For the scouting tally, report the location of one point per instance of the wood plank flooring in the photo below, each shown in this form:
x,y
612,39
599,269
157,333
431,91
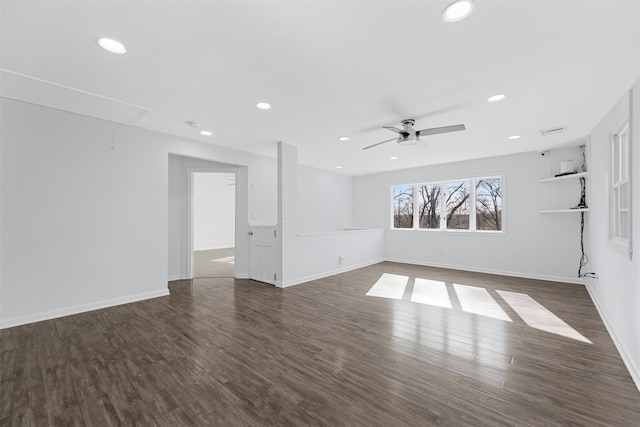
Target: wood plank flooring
x,y
239,353
214,263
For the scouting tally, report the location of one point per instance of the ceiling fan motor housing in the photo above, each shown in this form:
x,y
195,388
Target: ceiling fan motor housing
x,y
408,124
408,137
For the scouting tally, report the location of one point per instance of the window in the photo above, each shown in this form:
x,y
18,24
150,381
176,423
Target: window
x,y
403,206
489,204
457,197
429,209
470,204
619,191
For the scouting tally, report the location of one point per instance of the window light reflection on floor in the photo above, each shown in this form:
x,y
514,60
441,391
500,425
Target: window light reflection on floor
x,y
226,260
389,286
477,300
538,316
430,292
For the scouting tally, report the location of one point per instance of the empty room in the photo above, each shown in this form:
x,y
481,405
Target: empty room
x,y
320,212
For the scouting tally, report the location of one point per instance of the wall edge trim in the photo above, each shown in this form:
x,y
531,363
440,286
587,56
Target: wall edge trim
x,y
77,309
571,280
305,279
634,371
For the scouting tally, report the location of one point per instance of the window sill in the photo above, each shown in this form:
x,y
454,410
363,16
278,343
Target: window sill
x,y
450,232
622,248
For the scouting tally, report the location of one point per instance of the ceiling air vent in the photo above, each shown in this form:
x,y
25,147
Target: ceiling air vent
x,y
552,131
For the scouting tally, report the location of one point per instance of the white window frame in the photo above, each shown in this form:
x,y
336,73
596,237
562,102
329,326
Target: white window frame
x,y
619,176
443,208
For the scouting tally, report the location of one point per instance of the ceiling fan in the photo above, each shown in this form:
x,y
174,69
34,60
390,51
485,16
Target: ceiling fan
x,y
409,136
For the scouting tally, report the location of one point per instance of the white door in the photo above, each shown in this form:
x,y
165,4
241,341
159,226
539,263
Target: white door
x,y
262,240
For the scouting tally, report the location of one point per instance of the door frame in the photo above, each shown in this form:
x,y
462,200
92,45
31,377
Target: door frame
x,y
190,222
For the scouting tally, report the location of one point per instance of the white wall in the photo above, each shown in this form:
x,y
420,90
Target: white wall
x,y
329,253
617,291
325,200
533,245
86,226
214,215
83,225
287,254
314,207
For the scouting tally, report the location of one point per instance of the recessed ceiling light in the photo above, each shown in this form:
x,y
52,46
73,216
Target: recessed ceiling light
x,y
111,45
338,167
458,10
344,138
206,132
514,137
496,98
263,106
393,158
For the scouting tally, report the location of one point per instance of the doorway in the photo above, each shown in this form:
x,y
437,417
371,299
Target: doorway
x,y
213,224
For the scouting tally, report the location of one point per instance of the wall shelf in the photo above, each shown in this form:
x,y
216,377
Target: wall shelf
x,y
547,211
559,178
557,194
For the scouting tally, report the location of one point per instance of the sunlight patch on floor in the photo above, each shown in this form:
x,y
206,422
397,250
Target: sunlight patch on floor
x,y
389,286
226,260
538,316
430,292
476,300
471,299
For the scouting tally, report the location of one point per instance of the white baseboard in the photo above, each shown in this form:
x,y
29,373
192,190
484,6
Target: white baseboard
x,y
573,280
634,371
293,282
67,311
178,277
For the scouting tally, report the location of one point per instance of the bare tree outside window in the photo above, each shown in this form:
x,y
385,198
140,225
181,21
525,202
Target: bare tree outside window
x,y
429,209
457,203
471,204
489,204
403,206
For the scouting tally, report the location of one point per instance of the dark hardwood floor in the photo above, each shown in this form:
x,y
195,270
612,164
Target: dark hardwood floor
x,y
236,352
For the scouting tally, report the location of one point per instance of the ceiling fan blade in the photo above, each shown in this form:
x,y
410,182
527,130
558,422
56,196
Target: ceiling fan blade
x,y
443,129
371,146
394,129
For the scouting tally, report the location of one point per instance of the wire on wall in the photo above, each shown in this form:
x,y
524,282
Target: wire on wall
x,y
584,259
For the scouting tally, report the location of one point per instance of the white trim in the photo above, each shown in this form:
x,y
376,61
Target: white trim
x,y
621,246
353,230
178,277
77,309
293,282
28,77
634,371
453,232
572,280
559,279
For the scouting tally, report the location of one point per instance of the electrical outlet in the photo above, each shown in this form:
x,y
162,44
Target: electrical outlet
x,y
340,259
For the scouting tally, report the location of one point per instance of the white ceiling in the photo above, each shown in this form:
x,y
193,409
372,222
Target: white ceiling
x,y
334,68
